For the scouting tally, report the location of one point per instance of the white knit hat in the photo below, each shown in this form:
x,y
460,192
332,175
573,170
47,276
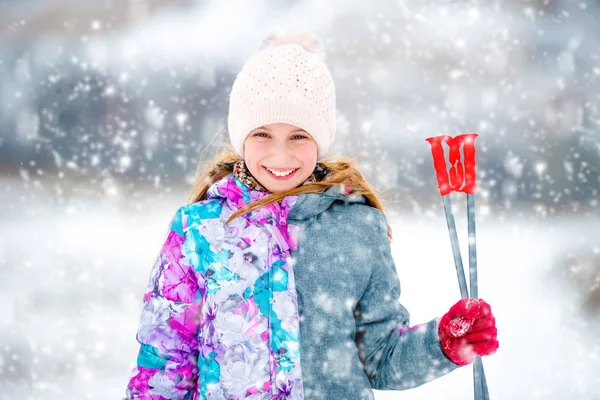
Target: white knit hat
x,y
286,81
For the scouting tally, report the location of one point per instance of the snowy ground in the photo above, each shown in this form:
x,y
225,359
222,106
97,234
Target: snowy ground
x,y
72,276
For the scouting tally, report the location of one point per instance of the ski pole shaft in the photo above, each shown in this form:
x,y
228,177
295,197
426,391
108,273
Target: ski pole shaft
x,y
481,389
460,272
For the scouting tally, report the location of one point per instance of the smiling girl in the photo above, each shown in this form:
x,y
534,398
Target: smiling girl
x,y
281,156
276,281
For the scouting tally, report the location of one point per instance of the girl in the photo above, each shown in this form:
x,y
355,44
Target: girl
x,y
276,281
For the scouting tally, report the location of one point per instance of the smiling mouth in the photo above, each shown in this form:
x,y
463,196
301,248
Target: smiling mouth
x,y
281,174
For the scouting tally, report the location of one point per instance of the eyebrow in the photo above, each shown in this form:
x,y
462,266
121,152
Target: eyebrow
x,y
267,129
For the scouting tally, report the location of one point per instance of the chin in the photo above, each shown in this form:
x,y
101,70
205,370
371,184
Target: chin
x,y
280,188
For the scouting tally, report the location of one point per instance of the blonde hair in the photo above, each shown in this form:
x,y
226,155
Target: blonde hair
x,y
344,173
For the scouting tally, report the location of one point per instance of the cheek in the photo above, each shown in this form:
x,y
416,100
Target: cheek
x,y
255,147
308,154
253,151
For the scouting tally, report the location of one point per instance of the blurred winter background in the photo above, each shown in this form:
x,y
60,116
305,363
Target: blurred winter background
x,y
107,106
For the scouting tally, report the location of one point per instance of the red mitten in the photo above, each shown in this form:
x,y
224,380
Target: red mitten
x,y
467,330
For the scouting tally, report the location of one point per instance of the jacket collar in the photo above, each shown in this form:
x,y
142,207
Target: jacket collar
x,y
310,204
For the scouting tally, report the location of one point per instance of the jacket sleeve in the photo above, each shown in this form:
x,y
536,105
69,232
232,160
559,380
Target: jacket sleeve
x,y
167,365
394,355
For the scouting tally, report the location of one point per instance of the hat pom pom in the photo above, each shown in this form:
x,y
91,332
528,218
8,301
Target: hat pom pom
x,y
307,40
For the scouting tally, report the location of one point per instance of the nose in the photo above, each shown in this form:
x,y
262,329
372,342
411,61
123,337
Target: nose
x,y
282,152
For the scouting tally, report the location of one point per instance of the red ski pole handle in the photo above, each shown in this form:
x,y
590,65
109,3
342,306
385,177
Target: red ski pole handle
x,y
460,177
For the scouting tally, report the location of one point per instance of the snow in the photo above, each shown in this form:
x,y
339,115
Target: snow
x,y
71,283
106,107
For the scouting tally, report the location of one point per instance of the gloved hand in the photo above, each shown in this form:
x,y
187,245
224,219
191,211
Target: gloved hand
x,y
467,330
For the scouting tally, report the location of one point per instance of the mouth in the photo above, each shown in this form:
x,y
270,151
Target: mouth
x,y
281,175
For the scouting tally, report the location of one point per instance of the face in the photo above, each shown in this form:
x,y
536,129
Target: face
x,y
280,156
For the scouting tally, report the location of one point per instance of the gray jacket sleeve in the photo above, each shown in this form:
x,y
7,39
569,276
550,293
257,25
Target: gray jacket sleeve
x,y
394,355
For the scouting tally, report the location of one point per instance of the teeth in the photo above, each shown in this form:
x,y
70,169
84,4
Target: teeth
x,y
281,173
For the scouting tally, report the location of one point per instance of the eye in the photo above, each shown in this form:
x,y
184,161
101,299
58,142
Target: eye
x,y
260,133
300,136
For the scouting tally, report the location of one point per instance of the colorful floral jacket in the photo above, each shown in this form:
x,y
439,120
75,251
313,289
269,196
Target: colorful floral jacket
x,y
296,300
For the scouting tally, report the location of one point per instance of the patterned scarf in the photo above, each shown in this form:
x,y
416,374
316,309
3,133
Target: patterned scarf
x,y
240,170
